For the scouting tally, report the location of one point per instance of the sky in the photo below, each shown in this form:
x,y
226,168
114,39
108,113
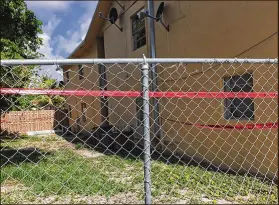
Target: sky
x,y
65,25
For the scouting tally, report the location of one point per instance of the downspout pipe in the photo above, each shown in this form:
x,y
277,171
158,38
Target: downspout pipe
x,y
154,74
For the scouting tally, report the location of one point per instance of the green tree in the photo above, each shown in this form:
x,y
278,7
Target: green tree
x,y
27,102
19,31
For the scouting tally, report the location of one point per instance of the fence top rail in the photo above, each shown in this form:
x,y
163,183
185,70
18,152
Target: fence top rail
x,y
135,60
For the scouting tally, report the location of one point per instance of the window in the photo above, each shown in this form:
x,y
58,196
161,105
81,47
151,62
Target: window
x,y
67,76
83,109
80,72
239,108
139,111
138,30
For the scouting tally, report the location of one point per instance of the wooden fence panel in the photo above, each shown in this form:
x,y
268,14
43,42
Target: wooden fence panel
x,y
27,121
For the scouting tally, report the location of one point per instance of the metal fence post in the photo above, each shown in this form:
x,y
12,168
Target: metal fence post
x,y
146,132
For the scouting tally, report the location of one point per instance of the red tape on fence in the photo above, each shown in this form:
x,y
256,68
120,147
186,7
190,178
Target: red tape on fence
x,y
241,127
98,93
238,127
25,91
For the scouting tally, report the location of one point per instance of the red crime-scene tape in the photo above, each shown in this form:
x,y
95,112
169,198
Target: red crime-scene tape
x,y
26,91
238,127
241,127
98,93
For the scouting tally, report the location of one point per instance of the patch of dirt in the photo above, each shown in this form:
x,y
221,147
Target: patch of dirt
x,y
125,175
233,200
129,168
188,196
245,198
185,192
223,201
120,176
206,200
217,201
122,179
8,186
127,198
55,143
46,144
11,186
183,197
62,144
168,199
182,202
88,154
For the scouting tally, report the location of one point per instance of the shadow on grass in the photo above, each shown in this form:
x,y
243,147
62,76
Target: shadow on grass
x,y
7,136
122,144
12,156
9,155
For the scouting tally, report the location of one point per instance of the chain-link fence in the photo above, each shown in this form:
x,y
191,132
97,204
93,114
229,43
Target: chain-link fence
x,y
140,130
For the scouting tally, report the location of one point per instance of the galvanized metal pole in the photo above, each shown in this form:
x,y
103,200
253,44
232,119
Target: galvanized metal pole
x,y
136,60
146,133
152,51
154,73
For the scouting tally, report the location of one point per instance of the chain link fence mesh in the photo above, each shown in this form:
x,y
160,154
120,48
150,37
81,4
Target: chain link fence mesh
x,y
213,133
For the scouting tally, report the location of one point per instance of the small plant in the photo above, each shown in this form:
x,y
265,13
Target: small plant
x,y
78,146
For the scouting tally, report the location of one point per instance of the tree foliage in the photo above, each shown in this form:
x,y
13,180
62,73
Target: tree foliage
x,y
28,102
20,39
20,31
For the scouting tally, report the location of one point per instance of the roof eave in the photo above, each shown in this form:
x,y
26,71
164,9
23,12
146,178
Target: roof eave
x,y
91,25
77,48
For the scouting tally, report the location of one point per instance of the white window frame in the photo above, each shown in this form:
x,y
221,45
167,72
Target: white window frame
x,y
134,33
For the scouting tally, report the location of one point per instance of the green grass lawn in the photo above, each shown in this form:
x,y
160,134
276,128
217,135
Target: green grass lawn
x,y
62,173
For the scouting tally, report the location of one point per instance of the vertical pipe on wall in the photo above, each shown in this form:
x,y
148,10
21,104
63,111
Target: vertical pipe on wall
x,y
102,82
154,74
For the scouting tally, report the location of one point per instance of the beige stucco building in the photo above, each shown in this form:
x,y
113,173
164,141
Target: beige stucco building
x,y
198,29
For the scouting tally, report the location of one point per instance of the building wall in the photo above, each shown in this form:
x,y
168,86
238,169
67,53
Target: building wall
x,y
220,29
89,82
123,77
205,29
